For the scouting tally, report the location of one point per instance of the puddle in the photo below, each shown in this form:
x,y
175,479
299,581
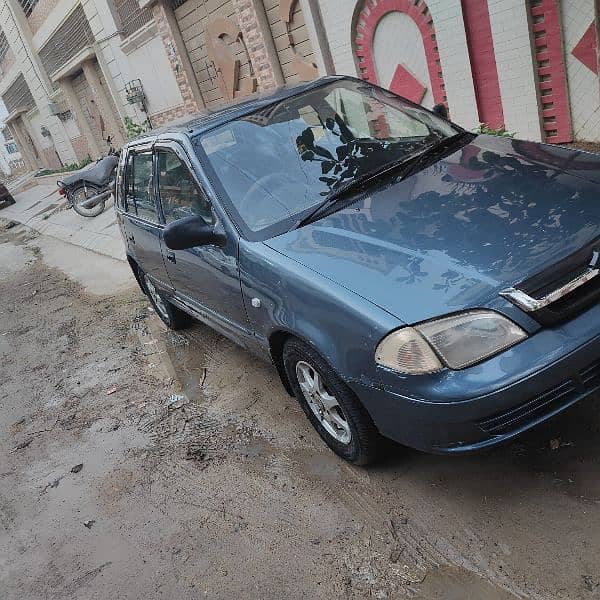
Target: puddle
x,y
454,583
4,345
179,358
325,466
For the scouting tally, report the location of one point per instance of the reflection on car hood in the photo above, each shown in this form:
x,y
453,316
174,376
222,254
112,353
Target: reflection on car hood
x,y
453,235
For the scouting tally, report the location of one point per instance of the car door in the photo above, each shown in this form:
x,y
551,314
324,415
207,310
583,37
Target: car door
x,y
142,226
204,278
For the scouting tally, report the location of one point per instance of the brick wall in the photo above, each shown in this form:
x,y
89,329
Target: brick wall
x,y
255,43
189,105
162,118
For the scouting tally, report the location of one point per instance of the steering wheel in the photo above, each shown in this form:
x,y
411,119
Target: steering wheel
x,y
262,195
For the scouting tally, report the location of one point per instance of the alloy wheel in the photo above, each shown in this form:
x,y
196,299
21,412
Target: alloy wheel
x,y
324,406
159,303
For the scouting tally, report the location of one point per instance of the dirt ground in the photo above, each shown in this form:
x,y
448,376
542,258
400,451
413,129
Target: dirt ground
x,y
137,463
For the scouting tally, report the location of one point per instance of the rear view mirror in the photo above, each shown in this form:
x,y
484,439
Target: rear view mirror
x,y
440,110
190,232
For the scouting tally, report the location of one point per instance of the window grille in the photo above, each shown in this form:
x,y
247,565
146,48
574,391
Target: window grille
x,y
65,116
4,47
70,38
177,3
131,16
18,95
28,6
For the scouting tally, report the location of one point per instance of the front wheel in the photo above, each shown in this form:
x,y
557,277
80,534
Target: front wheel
x,y
83,192
332,408
170,315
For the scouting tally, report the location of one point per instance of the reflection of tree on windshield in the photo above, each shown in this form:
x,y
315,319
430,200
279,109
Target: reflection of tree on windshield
x,y
353,156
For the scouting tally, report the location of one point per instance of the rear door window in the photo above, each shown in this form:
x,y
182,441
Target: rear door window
x,y
179,194
140,196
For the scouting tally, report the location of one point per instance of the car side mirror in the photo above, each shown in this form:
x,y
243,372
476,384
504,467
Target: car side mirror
x,y
190,232
440,110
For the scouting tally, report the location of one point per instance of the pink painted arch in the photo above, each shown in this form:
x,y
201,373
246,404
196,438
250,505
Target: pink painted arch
x,y
371,12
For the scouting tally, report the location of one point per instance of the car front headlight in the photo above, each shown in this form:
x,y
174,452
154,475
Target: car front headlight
x,y
457,342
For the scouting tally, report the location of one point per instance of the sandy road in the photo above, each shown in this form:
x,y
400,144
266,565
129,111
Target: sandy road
x,y
202,479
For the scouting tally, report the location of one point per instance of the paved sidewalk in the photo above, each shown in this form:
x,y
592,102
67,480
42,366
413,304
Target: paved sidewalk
x,y
44,210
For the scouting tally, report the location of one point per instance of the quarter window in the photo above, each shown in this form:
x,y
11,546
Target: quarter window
x,y
179,194
139,186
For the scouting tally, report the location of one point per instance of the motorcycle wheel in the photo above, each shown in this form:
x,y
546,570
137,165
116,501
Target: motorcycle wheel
x,y
80,194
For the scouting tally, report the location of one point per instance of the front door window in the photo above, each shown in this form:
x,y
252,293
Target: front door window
x,y
140,199
179,194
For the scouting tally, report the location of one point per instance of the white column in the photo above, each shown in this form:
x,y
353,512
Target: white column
x,y
456,65
516,67
318,36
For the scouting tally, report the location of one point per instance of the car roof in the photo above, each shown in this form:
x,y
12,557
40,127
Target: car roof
x,y
205,120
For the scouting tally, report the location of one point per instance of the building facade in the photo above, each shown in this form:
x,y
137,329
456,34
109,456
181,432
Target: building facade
x,y
76,73
528,65
11,162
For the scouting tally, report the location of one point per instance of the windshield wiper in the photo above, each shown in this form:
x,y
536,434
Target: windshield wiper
x,y
340,191
409,166
435,151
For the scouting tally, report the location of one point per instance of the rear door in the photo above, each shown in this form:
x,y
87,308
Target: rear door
x,y
142,226
205,278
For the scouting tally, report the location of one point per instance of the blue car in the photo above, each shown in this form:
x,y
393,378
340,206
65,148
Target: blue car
x,y
407,278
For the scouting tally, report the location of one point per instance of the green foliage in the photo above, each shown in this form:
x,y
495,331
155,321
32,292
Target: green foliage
x,y
501,131
134,129
84,162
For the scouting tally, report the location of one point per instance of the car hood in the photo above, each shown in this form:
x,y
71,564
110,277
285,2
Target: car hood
x,y
453,235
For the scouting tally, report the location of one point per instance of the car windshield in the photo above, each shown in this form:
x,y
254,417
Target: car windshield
x,y
276,164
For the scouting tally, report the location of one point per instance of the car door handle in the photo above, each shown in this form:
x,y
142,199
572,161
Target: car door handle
x,y
171,257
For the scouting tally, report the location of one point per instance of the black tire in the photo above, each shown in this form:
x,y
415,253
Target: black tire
x,y
365,444
83,192
170,315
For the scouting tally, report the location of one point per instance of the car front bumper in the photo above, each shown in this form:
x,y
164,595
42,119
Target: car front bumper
x,y
468,410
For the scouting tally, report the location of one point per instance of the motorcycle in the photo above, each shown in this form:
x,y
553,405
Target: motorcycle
x,y
88,191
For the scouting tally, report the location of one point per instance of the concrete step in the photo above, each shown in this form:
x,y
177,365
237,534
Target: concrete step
x,y
44,210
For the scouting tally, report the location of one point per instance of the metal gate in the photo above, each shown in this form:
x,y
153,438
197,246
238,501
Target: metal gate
x,y
100,127
83,91
113,107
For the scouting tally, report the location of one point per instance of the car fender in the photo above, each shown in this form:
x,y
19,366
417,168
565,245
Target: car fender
x,y
286,298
